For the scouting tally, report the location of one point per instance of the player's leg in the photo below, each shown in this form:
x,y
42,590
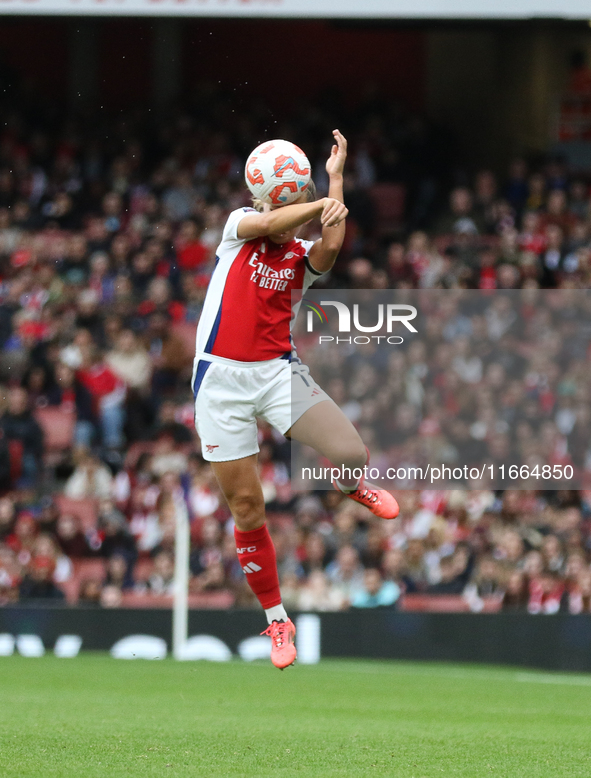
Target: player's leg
x,y
296,406
241,486
326,429
224,418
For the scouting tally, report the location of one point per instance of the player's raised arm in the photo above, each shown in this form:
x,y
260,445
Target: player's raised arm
x,y
324,252
288,217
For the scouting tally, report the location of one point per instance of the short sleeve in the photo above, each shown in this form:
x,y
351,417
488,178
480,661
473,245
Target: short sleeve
x,y
231,228
307,244
311,274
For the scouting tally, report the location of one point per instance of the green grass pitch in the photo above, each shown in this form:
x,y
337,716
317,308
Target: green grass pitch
x,y
94,716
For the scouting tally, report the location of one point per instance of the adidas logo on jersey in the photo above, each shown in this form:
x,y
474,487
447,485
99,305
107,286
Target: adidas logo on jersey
x,y
252,567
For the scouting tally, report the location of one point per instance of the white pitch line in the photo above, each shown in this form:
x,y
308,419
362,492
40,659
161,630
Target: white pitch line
x,y
430,672
473,673
566,680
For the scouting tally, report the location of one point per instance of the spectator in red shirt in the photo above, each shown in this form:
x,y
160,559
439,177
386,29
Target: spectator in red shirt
x,y
191,253
108,393
532,237
545,593
22,540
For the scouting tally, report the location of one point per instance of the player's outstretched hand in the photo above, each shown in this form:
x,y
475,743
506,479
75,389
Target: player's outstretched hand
x,y
333,213
338,155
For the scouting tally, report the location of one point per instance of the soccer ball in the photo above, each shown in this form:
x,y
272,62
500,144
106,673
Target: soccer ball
x,y
277,172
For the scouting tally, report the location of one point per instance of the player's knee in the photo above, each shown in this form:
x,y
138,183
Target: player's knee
x,y
353,454
248,510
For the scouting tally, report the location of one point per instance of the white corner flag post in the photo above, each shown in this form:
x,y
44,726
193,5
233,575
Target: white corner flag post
x,y
180,612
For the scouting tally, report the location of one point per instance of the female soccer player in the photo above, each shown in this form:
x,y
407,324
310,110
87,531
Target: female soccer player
x,y
243,370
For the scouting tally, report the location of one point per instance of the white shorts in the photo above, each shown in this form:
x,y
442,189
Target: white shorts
x,y
230,396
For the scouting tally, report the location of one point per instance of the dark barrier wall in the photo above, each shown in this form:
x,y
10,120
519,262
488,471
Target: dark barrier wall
x,y
560,642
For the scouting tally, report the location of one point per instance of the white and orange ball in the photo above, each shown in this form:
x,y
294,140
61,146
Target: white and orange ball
x,y
277,172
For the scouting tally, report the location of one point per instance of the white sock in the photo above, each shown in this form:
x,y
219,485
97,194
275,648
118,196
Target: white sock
x,y
276,613
347,489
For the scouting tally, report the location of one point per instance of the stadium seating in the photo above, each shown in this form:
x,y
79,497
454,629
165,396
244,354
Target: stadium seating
x,y
443,603
58,429
85,510
114,260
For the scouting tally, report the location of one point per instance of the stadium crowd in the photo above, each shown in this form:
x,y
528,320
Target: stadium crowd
x,y
108,231
493,386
